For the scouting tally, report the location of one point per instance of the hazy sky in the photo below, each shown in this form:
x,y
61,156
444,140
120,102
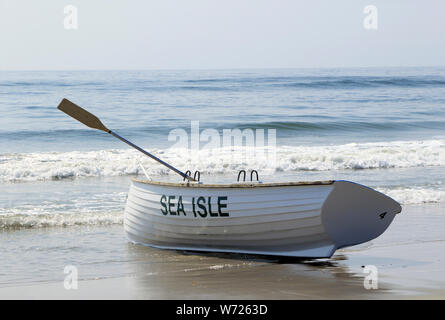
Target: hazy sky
x,y
209,34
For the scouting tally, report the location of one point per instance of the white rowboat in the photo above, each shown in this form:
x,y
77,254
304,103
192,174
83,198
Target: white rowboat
x,y
298,219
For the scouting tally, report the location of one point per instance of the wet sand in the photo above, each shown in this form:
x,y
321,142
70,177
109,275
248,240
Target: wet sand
x,y
410,260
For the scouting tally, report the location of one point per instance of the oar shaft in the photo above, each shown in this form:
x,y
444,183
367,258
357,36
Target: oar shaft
x,y
90,120
151,156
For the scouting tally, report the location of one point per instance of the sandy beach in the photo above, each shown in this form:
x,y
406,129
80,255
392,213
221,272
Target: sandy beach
x,y
290,94
409,258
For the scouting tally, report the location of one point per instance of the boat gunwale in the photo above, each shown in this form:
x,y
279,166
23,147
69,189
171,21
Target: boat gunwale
x,y
189,184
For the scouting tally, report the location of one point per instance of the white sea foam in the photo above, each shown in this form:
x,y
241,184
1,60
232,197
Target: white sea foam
x,y
86,209
414,195
42,220
58,165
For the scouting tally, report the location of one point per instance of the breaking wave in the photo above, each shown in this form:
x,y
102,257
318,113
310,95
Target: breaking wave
x,y
86,209
414,195
22,167
46,220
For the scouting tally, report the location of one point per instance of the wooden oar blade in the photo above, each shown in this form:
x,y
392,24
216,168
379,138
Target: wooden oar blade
x,y
81,115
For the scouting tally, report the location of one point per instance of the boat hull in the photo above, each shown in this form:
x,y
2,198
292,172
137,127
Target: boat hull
x,y
296,219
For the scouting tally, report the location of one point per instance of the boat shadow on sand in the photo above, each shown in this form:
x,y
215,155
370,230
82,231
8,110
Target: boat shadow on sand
x,y
332,262
175,274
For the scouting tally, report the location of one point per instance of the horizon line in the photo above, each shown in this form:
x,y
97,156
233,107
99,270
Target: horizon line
x,y
222,69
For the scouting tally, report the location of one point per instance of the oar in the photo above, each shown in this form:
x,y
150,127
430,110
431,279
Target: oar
x,y
92,121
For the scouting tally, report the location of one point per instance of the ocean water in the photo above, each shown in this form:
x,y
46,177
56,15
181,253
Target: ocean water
x,y
63,186
381,127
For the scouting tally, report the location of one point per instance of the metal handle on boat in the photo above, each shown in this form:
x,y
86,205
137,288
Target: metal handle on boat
x,y
197,173
251,175
188,172
239,174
